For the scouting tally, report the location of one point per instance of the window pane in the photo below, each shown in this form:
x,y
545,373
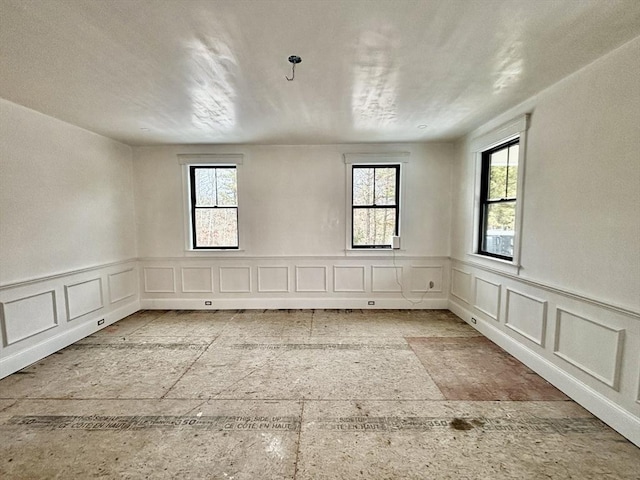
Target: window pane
x,y
205,184
216,227
512,179
227,187
500,228
385,191
373,226
363,186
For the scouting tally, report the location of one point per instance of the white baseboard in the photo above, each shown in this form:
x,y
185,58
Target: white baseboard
x,y
616,417
288,303
26,357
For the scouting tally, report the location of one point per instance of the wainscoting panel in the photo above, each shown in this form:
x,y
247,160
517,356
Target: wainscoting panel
x,y
426,279
594,348
348,279
28,316
84,297
527,316
273,279
122,285
486,298
40,316
159,280
197,279
311,279
584,346
386,279
235,279
460,284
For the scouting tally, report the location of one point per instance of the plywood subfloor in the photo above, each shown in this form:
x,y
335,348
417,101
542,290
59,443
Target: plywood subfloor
x,y
297,394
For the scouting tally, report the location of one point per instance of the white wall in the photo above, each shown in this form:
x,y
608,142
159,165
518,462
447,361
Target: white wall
x,y
573,311
67,234
66,197
581,222
292,205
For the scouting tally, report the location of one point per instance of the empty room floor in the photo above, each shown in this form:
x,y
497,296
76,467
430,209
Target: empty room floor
x,y
297,394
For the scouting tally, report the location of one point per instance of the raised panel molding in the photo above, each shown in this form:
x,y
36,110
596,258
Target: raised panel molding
x,y
460,284
159,280
348,278
311,279
594,348
486,297
122,285
235,279
28,316
273,279
526,315
422,276
83,297
197,279
386,279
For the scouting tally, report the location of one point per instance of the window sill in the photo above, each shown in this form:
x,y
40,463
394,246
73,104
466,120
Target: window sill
x,y
371,252
505,266
217,252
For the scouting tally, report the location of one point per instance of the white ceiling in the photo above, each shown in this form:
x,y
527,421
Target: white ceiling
x,y
187,71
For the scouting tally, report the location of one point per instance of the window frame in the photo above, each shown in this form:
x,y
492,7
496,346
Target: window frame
x,y
395,206
186,160
374,159
193,208
487,138
485,201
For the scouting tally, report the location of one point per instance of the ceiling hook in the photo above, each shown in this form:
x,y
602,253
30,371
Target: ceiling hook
x,y
293,60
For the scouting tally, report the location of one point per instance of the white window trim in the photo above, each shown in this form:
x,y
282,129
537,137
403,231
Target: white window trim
x,y
215,160
389,158
517,128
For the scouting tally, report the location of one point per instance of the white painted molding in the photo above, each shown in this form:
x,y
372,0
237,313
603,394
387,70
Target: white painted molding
x,y
68,273
264,289
553,289
429,267
336,268
495,317
210,158
326,278
602,407
23,358
614,380
289,303
168,290
452,289
379,157
7,334
543,320
111,276
221,271
398,278
182,280
68,296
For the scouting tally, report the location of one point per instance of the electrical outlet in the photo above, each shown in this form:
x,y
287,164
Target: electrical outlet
x,y
207,303
100,322
371,302
473,320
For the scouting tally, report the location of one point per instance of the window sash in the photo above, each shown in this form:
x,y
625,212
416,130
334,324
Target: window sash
x,y
195,208
372,206
485,201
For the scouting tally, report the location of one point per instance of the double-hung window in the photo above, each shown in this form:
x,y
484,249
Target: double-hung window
x,y
498,200
213,206
375,205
